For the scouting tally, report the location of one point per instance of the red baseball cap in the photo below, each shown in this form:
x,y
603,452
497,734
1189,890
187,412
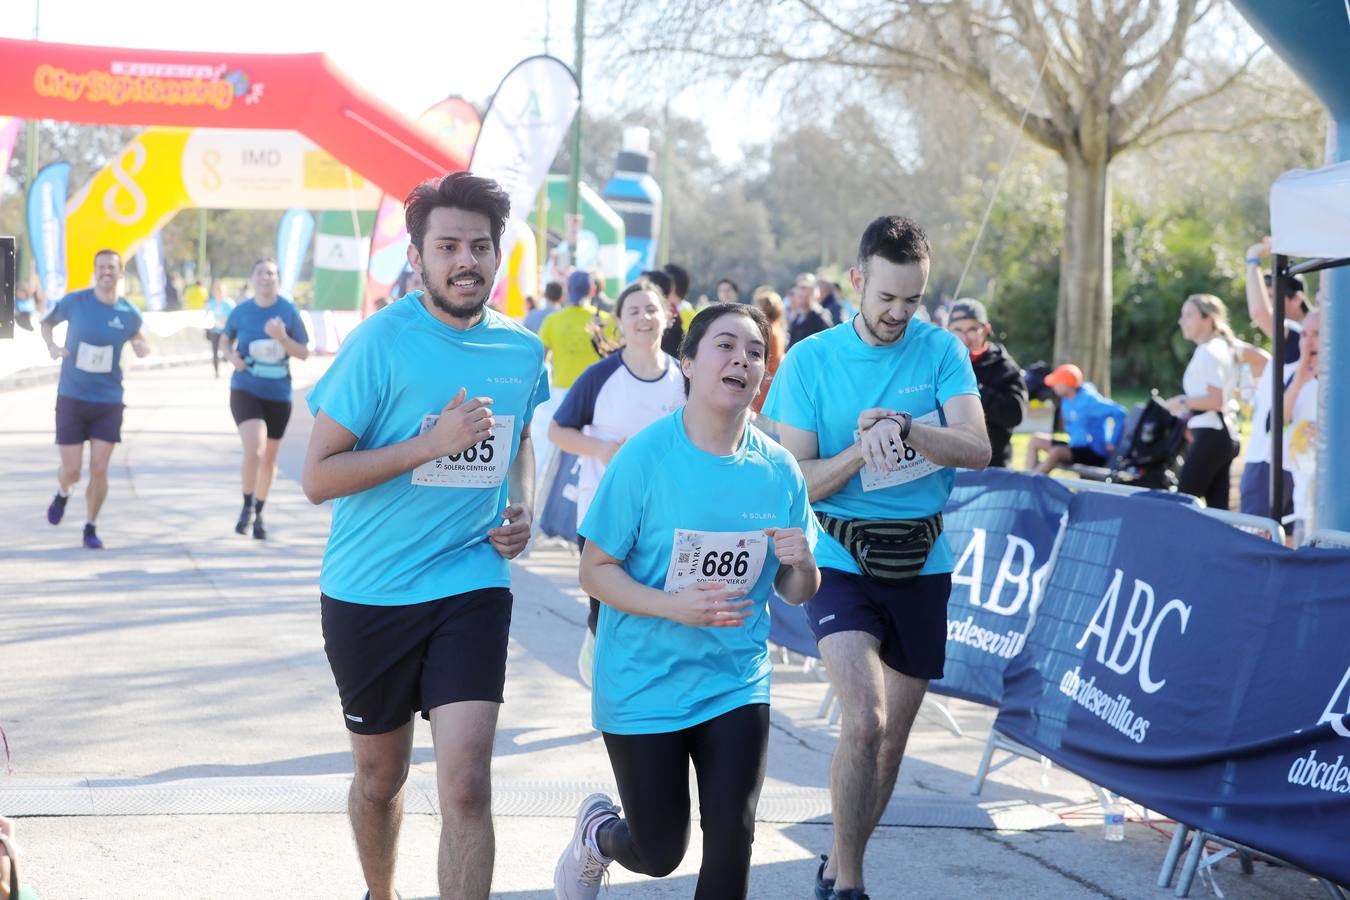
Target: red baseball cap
x,y
1067,375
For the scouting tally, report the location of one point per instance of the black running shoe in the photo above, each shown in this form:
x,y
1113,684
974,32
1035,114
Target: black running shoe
x,y
57,509
245,517
849,894
824,886
91,541
258,531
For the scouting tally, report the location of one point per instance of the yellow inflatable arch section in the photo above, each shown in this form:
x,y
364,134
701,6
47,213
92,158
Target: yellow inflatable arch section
x,y
165,170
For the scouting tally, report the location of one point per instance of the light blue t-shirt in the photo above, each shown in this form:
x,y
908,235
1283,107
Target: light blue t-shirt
x,y
95,333
269,367
655,675
827,379
422,535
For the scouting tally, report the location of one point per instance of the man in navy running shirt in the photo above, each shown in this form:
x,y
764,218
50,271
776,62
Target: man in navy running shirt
x,y
89,395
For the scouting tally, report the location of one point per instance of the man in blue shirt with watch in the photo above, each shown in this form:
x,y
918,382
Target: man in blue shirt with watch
x,y
89,395
879,412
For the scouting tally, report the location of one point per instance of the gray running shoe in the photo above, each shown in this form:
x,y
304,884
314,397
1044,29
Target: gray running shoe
x,y
582,866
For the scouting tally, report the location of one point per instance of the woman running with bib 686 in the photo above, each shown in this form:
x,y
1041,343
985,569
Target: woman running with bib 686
x,y
696,518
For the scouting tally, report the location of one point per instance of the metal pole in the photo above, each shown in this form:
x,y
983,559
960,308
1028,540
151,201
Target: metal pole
x,y
1330,510
574,182
541,239
201,245
31,152
663,237
1278,271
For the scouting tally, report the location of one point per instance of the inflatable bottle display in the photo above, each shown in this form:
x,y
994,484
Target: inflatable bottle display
x,y
635,196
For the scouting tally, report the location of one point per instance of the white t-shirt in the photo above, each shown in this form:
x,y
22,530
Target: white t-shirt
x,y
1258,443
1300,449
610,403
1212,365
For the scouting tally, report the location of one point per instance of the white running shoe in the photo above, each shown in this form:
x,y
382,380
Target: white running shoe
x,y
582,866
586,658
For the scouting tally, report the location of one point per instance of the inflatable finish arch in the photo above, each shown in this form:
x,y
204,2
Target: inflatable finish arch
x,y
303,92
164,170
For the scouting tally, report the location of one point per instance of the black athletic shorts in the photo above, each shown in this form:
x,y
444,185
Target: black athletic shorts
x,y
910,620
1083,456
276,413
79,420
391,661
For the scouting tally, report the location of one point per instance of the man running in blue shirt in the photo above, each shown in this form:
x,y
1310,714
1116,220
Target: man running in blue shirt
x,y
416,424
89,395
878,411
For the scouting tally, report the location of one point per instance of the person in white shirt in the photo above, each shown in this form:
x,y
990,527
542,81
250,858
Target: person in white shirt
x,y
1300,415
1209,388
611,401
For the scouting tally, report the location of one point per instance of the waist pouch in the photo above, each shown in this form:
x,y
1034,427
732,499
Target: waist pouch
x,y
888,551
263,369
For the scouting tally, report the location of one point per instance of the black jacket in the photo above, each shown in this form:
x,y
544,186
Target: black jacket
x,y
812,321
1003,394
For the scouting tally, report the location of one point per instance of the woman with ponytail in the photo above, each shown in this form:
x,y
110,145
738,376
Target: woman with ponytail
x,y
1209,398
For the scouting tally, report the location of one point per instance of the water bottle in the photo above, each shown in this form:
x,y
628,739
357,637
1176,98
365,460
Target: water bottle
x,y
1113,821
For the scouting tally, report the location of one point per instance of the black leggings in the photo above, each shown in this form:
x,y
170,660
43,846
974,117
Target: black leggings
x,y
1207,470
652,771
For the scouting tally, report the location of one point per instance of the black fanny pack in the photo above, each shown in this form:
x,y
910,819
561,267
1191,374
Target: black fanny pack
x,y
887,551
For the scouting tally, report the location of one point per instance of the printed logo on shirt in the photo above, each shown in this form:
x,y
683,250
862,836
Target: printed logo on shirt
x,y
914,389
504,379
757,515
116,322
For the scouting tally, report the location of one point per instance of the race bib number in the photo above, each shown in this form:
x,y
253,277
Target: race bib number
x,y
89,358
483,465
733,557
911,462
269,358
266,350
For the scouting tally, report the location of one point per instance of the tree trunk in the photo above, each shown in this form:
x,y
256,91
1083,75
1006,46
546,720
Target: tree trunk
x,y
1083,319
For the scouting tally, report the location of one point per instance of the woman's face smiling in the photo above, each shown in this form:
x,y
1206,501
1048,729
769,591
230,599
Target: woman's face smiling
x,y
643,318
729,368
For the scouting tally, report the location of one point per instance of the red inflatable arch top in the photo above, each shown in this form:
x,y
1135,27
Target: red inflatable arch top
x,y
303,92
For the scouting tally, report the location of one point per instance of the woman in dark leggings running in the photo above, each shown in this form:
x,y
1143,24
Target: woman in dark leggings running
x,y
696,518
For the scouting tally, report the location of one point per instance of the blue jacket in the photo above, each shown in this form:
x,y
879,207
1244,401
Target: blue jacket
x,y
1086,415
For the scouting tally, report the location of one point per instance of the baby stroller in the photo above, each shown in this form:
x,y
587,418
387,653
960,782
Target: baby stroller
x,y
1149,452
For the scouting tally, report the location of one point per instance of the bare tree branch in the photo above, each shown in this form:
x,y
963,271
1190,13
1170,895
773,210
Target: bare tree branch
x,y
1155,84
1237,127
1036,40
1152,123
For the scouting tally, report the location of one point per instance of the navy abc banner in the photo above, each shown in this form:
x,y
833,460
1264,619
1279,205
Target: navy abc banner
x,y
1002,527
1198,670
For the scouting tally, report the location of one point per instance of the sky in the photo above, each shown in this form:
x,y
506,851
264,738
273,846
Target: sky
x,y
410,55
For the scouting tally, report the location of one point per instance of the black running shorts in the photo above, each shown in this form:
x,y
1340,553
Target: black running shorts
x,y
391,661
910,619
275,413
1083,456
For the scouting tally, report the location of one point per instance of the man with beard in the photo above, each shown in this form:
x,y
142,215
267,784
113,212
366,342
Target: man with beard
x,y
89,395
416,423
878,413
1003,390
